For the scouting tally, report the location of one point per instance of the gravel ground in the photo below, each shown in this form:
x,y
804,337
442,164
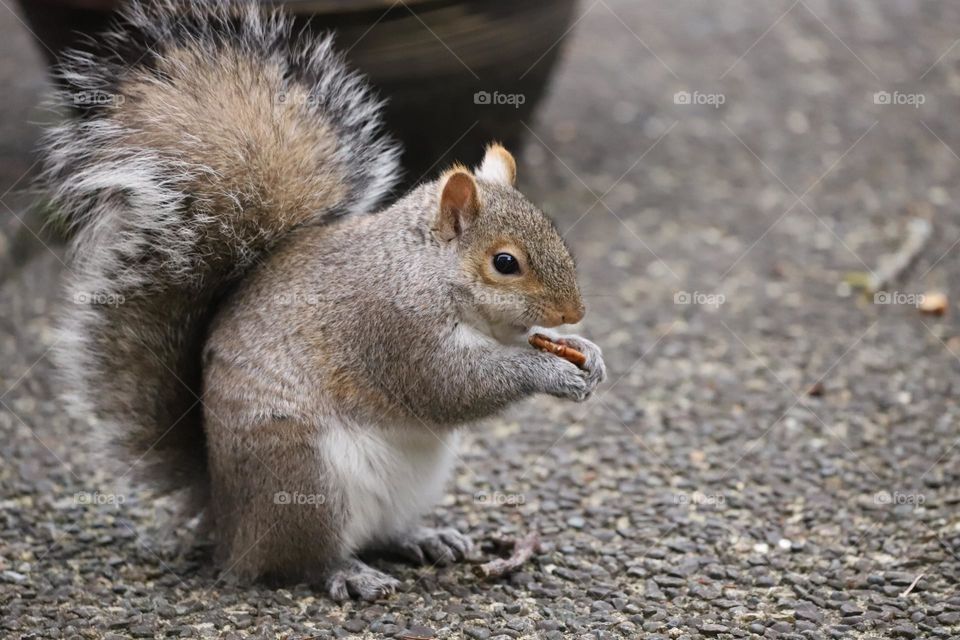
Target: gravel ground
x,y
775,459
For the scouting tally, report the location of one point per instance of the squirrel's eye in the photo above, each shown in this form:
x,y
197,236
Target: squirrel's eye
x,y
506,264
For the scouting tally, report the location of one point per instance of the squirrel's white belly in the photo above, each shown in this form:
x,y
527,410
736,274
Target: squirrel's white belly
x,y
387,477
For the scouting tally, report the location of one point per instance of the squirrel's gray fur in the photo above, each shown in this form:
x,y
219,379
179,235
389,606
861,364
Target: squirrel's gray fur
x,y
244,332
161,215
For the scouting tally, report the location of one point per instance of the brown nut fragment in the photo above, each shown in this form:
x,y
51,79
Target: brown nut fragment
x,y
934,303
815,390
561,349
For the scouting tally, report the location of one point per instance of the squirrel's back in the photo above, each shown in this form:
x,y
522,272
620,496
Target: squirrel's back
x,y
179,173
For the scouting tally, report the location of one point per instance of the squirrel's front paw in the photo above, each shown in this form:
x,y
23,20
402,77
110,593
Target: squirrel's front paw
x,y
594,369
573,382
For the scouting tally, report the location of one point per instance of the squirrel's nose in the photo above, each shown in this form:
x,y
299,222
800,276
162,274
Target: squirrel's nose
x,y
564,315
573,315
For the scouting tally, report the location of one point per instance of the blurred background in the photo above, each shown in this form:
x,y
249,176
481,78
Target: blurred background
x,y
761,197
430,58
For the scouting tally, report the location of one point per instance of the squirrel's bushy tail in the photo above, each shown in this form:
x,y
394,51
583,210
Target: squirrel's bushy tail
x,y
178,172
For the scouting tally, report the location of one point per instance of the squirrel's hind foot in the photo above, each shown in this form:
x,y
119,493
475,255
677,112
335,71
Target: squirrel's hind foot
x,y
426,545
356,579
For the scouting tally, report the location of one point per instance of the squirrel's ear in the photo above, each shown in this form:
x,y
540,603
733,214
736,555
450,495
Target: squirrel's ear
x,y
459,204
498,166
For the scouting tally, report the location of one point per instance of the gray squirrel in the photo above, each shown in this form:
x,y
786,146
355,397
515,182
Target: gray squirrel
x,y
255,332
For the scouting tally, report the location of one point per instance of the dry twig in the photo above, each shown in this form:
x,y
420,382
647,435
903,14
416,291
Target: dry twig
x,y
523,550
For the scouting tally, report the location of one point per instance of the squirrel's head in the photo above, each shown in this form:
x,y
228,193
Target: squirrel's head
x,y
515,269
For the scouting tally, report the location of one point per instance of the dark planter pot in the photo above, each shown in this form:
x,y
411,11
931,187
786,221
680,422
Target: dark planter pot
x,y
457,74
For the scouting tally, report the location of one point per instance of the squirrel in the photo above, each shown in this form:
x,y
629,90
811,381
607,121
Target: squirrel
x,y
253,329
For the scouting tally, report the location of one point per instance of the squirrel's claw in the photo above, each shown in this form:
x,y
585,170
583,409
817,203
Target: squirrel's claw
x,y
359,580
438,546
